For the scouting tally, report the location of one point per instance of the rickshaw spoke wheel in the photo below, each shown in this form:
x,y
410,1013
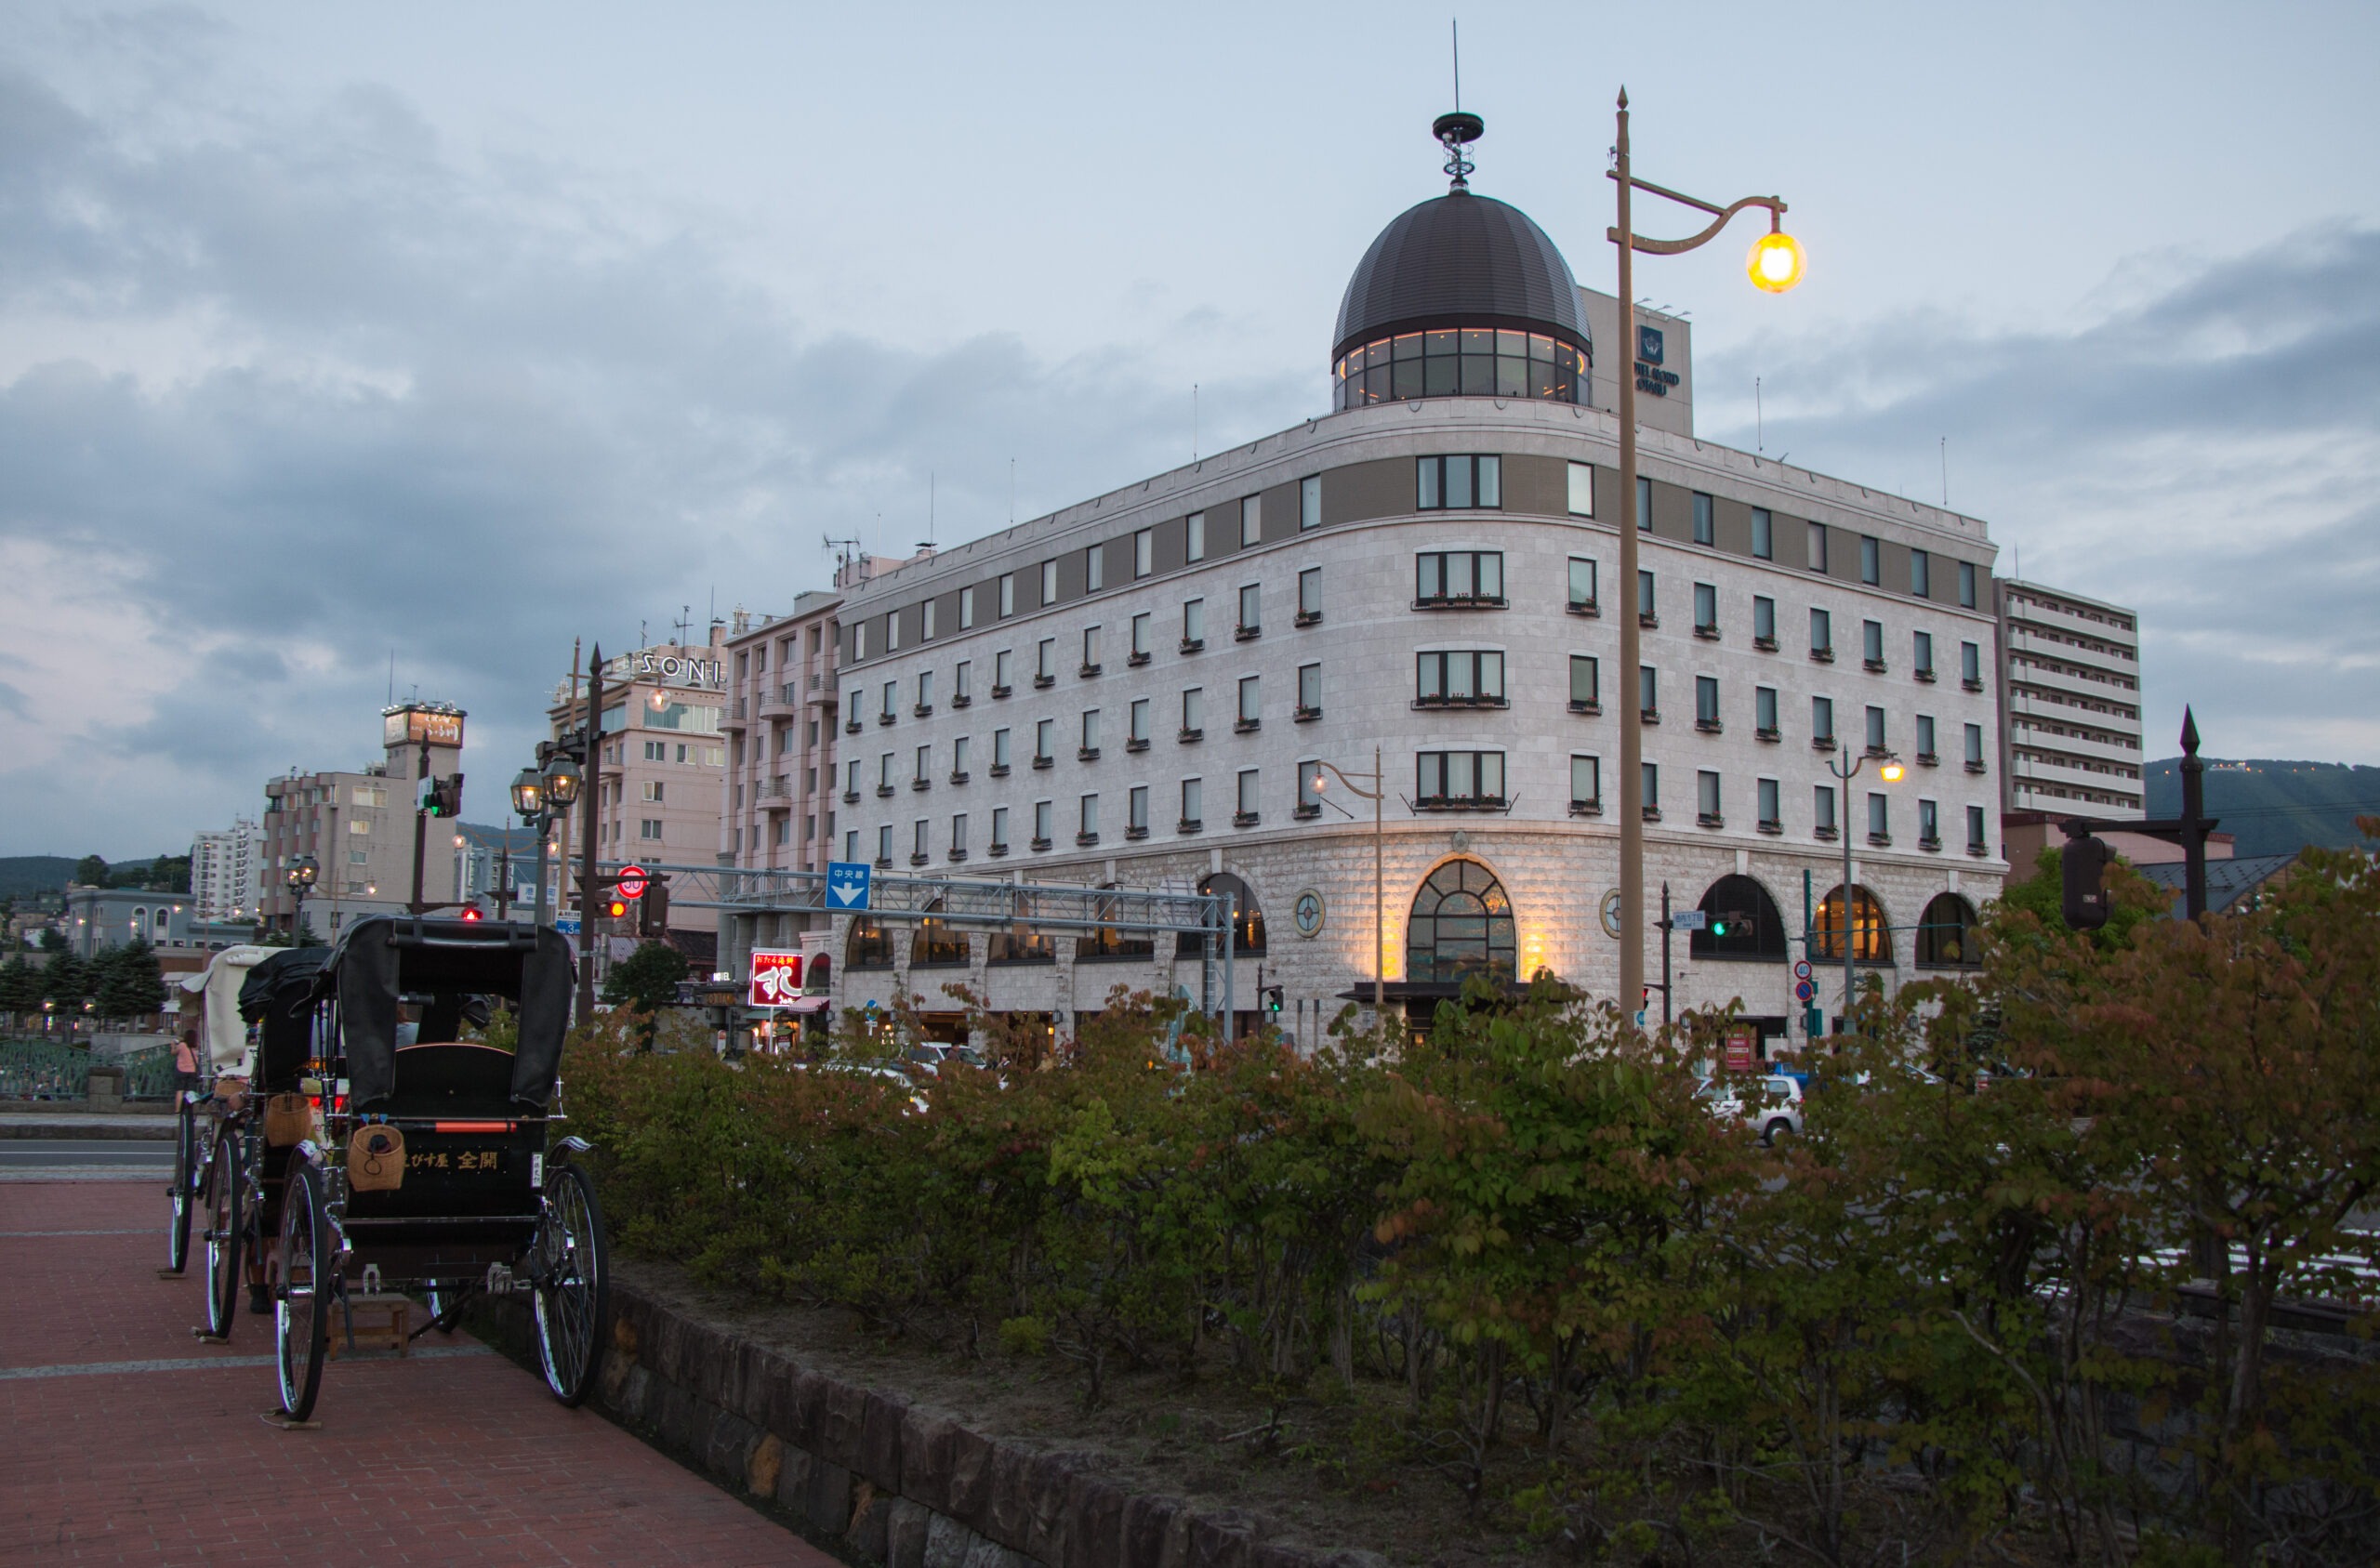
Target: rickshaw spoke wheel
x,y
185,1182
225,1227
302,1304
573,1284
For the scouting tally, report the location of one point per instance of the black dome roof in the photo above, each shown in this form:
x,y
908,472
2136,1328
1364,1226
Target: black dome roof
x,y
1459,260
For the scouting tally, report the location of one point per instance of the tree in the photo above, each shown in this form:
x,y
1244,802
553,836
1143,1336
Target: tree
x,y
66,981
52,940
129,981
90,872
2042,895
646,980
21,986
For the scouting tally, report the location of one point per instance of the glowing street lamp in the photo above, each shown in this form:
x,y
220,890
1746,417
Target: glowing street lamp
x,y
1888,769
1776,263
1376,794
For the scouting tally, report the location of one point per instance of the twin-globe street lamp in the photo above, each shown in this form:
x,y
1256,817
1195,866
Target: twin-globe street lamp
x,y
541,794
302,873
1775,265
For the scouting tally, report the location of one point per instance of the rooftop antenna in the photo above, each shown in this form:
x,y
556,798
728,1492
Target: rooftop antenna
x,y
1946,473
685,620
1194,421
1011,491
393,677
1458,130
1759,420
927,543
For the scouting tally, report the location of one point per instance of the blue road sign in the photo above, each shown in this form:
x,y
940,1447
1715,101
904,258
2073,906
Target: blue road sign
x,y
1803,991
847,884
566,924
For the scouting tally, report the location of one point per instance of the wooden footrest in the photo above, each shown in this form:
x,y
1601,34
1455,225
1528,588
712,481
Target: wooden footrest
x,y
381,1322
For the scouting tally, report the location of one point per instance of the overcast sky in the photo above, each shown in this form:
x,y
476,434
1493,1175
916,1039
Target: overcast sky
x,y
454,331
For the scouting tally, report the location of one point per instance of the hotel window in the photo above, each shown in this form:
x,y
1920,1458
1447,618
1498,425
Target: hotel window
x,y
851,708
960,748
1459,678
1089,732
959,835
1094,569
1193,537
1000,673
1138,721
1045,662
999,751
1644,505
1872,644
1966,585
1193,792
1582,490
892,631
1088,819
1194,625
1650,776
884,773
1194,711
1925,737
1920,574
859,640
850,844
1251,702
1975,747
1763,621
1586,784
1045,817
1248,797
1252,522
1706,798
1309,690
1310,595
1459,482
892,700
1251,608
1817,546
1140,635
1586,683
1706,529
1136,809
967,609
1769,818
1000,830
1309,794
658,751
1706,608
1582,583
1977,844
1309,503
918,840
1764,535
1871,563
1822,635
884,845
1460,778
1822,810
1706,701
962,687
1822,720
925,688
1044,731
851,776
1008,594
1879,820
924,772
1143,552
1458,577
1921,654
1764,711
1929,825
1875,732
1090,650
926,633
1971,665
1646,604
1648,692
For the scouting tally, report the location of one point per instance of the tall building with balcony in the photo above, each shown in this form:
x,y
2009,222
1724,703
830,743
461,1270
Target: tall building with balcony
x,y
226,867
2068,687
1140,689
777,809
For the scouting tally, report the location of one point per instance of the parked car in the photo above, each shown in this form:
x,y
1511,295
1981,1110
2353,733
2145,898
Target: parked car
x,y
1772,1102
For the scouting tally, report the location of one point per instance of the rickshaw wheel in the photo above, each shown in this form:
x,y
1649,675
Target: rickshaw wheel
x,y
185,1183
301,1316
572,1278
225,1228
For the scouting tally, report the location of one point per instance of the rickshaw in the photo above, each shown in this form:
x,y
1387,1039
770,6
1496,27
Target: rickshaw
x,y
430,1163
256,1011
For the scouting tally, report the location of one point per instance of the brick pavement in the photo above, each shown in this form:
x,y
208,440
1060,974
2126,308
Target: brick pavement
x,y
454,1459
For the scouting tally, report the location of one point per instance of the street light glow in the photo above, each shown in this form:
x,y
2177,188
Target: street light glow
x,y
1890,772
1776,262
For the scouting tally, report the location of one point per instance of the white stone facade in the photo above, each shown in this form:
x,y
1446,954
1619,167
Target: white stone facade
x,y
226,870
1361,529
2068,684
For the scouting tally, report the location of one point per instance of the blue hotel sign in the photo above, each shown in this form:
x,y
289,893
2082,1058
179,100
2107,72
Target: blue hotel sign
x,y
1650,377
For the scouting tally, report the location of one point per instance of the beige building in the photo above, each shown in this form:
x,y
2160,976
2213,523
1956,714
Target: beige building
x,y
2069,687
359,827
226,871
776,809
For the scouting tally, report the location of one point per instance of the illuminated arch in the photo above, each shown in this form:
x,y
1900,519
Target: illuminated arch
x,y
1746,920
1947,938
1461,925
1871,937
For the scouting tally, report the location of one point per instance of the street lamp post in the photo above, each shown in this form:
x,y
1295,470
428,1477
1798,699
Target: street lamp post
x,y
1377,793
1774,265
1888,769
301,875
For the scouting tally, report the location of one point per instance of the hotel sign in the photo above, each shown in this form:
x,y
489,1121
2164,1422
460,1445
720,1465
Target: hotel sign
x,y
1650,377
651,663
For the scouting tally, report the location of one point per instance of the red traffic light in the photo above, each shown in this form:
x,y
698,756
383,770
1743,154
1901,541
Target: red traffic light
x,y
617,909
472,914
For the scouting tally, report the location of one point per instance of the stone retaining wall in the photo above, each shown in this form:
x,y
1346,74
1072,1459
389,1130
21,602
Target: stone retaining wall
x,y
897,1484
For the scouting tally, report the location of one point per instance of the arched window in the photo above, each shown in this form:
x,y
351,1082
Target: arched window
x,y
1946,938
1461,925
1114,941
935,945
1018,942
869,946
1248,936
1740,921
1872,939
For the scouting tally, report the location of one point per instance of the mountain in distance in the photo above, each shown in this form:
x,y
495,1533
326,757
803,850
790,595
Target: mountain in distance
x,y
21,875
2273,808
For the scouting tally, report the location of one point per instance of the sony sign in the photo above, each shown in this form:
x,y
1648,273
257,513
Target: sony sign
x,y
667,667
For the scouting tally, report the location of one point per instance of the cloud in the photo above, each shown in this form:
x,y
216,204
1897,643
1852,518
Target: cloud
x,y
292,391
2206,451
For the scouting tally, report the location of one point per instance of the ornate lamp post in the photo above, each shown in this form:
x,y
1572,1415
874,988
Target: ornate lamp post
x,y
1888,769
301,875
1376,794
1774,265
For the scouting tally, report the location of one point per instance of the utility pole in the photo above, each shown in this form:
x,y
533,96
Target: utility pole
x,y
1665,954
420,821
591,791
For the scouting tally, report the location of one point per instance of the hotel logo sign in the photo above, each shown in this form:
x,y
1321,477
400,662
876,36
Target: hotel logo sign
x,y
1650,377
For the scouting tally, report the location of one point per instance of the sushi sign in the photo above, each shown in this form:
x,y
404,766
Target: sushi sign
x,y
776,980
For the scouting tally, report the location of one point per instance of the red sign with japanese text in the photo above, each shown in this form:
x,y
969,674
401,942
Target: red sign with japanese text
x,y
776,980
1739,1050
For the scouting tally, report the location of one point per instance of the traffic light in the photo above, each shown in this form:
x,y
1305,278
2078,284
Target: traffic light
x,y
617,908
443,796
471,915
2083,869
1718,927
652,910
1273,1000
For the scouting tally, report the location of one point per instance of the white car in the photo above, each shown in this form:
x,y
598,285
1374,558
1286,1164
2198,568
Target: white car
x,y
1772,1102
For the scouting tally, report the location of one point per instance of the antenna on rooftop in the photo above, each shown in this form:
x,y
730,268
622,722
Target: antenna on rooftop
x,y
927,543
1458,130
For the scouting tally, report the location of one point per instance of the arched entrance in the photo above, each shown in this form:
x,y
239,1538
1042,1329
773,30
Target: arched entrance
x,y
1947,936
1740,922
1461,925
934,945
869,946
1872,938
1247,937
